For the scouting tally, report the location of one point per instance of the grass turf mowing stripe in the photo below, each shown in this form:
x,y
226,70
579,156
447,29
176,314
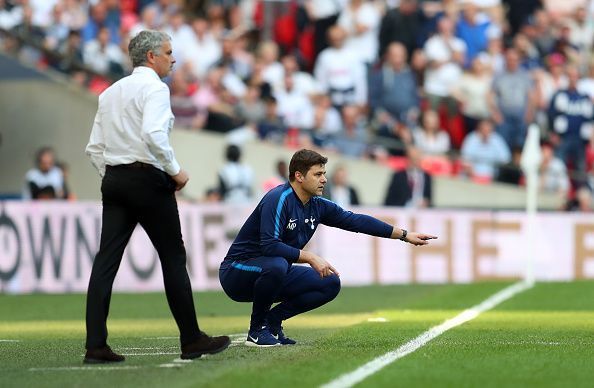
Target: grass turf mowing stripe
x,y
373,366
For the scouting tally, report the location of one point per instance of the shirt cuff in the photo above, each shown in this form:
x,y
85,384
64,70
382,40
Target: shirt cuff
x,y
172,168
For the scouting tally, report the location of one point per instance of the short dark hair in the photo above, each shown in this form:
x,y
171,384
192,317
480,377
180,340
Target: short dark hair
x,y
302,161
233,153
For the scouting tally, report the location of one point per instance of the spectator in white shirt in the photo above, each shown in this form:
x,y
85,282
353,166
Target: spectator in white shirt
x,y
360,19
303,82
204,49
340,73
130,149
10,18
46,180
445,54
472,92
429,138
293,106
272,70
181,35
103,56
236,179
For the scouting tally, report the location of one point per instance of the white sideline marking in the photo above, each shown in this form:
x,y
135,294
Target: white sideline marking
x,y
373,366
4,340
170,366
159,338
379,319
180,361
150,348
150,354
74,368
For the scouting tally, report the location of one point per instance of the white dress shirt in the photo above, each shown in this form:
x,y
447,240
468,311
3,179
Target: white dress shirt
x,y
132,124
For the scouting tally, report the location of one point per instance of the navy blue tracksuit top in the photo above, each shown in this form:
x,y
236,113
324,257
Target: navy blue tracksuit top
x,y
280,226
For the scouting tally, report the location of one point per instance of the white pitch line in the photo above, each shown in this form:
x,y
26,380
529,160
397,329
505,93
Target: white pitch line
x,y
375,365
149,348
75,368
7,340
159,338
180,361
170,366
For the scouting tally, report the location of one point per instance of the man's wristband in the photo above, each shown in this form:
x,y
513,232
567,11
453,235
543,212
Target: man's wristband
x,y
404,233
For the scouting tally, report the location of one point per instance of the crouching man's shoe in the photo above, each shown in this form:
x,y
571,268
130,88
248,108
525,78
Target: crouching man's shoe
x,y
261,337
277,332
205,345
102,355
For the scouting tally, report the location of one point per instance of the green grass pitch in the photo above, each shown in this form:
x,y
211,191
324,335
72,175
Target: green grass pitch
x,y
543,337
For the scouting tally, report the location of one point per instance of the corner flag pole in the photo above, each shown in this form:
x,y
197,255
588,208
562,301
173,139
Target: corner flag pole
x,y
530,162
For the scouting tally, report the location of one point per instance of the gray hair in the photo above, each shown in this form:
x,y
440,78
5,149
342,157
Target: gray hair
x,y
145,41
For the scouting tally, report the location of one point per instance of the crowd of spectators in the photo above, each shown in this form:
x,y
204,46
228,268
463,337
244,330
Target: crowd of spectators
x,y
458,80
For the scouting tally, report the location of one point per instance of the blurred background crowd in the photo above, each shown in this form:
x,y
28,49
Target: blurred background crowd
x,y
427,87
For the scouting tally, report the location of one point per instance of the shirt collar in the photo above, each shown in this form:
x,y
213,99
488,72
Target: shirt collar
x,y
146,70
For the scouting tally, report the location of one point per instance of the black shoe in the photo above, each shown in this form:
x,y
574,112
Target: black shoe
x,y
102,355
205,345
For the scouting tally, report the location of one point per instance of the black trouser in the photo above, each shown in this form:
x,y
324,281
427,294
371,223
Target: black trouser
x,y
142,194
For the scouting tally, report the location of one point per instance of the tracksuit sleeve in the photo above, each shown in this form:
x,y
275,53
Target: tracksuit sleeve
x,y
273,217
335,216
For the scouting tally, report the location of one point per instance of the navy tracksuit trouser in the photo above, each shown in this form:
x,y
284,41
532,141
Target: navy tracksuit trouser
x,y
268,280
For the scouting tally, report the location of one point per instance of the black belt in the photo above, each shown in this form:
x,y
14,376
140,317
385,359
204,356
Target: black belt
x,y
133,165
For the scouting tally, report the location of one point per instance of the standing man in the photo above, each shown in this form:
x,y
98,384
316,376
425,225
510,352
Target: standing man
x,y
130,148
258,267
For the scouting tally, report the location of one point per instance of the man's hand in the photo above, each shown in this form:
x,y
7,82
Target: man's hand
x,y
180,179
416,238
320,265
